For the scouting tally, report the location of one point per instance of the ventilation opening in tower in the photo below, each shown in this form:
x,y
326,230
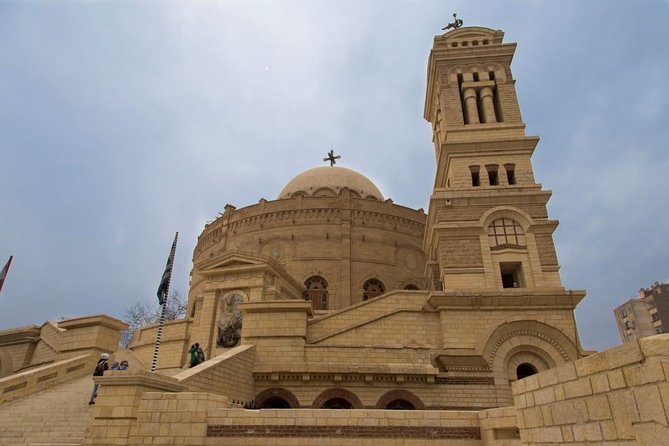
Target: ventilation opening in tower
x,y
462,99
495,99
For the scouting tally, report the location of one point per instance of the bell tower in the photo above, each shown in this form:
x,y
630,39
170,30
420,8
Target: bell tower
x,y
488,226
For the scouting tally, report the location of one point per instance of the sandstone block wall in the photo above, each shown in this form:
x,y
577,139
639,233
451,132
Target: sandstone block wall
x,y
620,396
173,346
228,374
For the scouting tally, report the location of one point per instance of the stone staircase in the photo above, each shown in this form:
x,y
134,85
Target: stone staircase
x,y
56,416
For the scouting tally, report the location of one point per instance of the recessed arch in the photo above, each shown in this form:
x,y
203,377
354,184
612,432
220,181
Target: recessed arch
x,y
525,341
269,396
501,333
331,395
529,356
396,396
324,192
522,217
229,318
525,369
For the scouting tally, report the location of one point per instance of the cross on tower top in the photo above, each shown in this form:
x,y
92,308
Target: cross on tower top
x,y
457,23
332,158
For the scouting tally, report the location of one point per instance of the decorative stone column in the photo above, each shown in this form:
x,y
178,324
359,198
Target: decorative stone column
x,y
471,109
487,105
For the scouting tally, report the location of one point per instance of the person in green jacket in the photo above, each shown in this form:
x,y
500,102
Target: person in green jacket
x,y
194,359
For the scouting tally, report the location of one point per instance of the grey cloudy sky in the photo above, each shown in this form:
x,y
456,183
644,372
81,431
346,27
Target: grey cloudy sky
x,y
123,122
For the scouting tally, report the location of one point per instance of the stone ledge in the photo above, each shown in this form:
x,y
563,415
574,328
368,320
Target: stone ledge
x,y
91,321
272,306
142,379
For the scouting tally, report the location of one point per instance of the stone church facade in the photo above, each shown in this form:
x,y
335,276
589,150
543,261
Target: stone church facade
x,y
347,295
433,328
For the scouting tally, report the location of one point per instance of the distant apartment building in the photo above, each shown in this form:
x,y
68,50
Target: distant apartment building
x,y
645,315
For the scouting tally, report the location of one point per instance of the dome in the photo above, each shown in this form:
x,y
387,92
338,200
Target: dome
x,y
328,182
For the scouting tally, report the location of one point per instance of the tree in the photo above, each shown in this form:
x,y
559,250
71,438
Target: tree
x,y
143,313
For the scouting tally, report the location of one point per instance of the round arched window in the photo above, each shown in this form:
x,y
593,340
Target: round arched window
x,y
275,402
505,232
317,292
337,403
372,288
400,405
525,369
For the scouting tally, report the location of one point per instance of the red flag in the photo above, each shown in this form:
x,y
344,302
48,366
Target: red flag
x,y
3,273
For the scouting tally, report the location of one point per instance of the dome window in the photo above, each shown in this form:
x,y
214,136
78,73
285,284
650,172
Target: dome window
x,y
372,288
317,292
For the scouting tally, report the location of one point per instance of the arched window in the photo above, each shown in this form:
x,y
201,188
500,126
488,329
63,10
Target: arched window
x,y
275,403
372,288
317,292
505,233
399,399
337,403
411,286
400,405
524,370
276,398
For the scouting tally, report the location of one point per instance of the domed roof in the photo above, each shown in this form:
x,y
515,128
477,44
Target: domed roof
x,y
328,182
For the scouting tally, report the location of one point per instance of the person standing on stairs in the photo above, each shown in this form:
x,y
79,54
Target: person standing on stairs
x,y
100,367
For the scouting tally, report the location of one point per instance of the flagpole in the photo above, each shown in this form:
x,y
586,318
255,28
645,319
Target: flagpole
x,y
163,291
5,270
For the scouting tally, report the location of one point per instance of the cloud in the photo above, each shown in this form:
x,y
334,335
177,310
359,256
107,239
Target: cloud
x,y
123,123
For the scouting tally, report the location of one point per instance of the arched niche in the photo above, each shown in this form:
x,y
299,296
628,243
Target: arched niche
x,y
268,399
525,341
331,396
393,398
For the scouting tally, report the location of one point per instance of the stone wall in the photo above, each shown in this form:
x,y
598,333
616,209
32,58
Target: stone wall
x,y
620,396
228,374
173,345
25,347
196,419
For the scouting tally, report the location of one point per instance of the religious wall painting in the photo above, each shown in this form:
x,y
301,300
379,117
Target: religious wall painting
x,y
229,325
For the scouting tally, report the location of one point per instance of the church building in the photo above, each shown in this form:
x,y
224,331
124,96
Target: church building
x,y
450,326
351,300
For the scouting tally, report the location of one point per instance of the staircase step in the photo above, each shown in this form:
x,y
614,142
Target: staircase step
x,y
57,416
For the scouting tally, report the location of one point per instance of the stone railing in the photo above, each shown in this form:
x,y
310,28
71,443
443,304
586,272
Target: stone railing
x,y
228,374
620,396
35,380
124,396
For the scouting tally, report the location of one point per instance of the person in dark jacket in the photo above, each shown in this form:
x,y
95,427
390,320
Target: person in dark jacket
x,y
100,367
193,354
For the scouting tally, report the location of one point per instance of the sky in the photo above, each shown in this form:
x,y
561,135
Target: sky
x,y
123,122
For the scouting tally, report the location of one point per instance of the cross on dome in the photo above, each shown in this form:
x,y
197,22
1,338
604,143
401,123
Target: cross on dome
x,y
332,158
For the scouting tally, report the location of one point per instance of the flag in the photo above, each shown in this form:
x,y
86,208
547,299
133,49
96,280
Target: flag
x,y
167,275
3,273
